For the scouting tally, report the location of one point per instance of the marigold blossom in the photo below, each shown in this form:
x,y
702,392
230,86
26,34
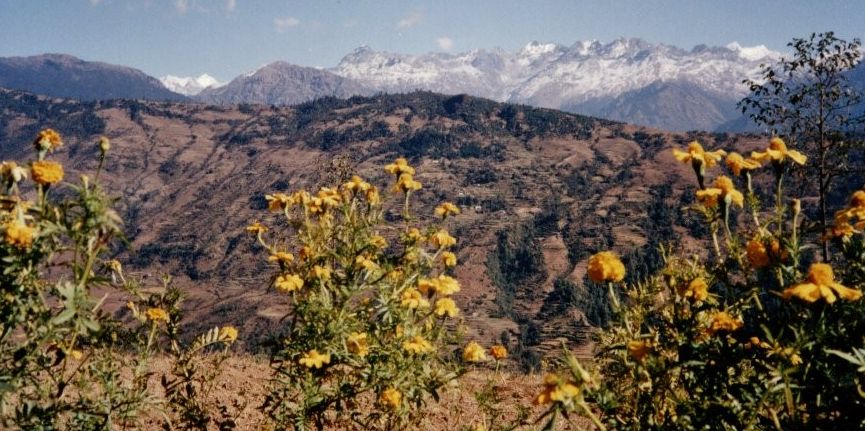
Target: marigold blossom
x,y
639,349
446,307
46,172
288,283
391,398
778,153
737,163
446,209
722,321
606,266
821,284
499,352
473,352
19,234
417,345
48,140
228,333
156,315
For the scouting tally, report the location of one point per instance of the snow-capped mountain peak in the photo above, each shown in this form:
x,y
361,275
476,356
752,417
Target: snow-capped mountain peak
x,y
753,53
189,85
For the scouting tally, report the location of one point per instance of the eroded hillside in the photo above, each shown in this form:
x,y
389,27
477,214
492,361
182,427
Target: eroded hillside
x,y
540,190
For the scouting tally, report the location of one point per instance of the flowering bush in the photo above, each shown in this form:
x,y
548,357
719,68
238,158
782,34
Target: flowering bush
x,y
64,362
370,306
757,335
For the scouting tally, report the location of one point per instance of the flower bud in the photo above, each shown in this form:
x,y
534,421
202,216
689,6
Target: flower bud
x,y
104,144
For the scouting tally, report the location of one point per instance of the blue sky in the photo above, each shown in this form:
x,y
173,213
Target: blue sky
x,y
227,37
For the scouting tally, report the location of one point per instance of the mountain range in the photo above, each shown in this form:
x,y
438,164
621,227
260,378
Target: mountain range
x,y
627,80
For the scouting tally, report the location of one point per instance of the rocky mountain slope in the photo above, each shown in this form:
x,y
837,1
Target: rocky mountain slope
x,y
61,75
540,191
281,83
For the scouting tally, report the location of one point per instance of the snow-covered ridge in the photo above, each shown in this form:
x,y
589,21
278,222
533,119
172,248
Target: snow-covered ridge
x,y
189,85
557,76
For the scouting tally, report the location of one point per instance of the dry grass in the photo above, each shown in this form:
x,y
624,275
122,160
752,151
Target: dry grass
x,y
243,383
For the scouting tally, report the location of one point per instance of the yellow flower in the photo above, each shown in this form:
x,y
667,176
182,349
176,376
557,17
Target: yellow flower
x,y
398,167
498,352
412,299
737,163
778,152
357,344
76,354
48,140
724,189
313,359
300,197
283,258
473,352
356,184
638,349
446,209
329,196
256,228
556,390
288,283
446,307
757,255
449,259
697,156
821,284
19,235
278,201
446,285
46,172
417,345
723,321
156,315
413,235
606,266
365,263
372,196
378,242
391,398
321,272
228,333
407,183
442,239
697,290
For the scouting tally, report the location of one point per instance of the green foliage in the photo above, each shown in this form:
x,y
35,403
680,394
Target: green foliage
x,y
363,342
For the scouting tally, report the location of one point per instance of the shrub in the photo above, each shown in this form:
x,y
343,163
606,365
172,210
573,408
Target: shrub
x,y
756,335
370,302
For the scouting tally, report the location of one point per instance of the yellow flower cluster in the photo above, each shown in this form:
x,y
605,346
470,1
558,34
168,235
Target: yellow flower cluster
x,y
697,156
443,285
446,209
417,345
446,307
357,344
313,359
473,352
697,290
46,172
738,164
852,218
723,321
18,234
722,189
499,352
557,390
412,299
606,266
288,283
778,153
391,398
228,333
821,284
156,315
47,140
